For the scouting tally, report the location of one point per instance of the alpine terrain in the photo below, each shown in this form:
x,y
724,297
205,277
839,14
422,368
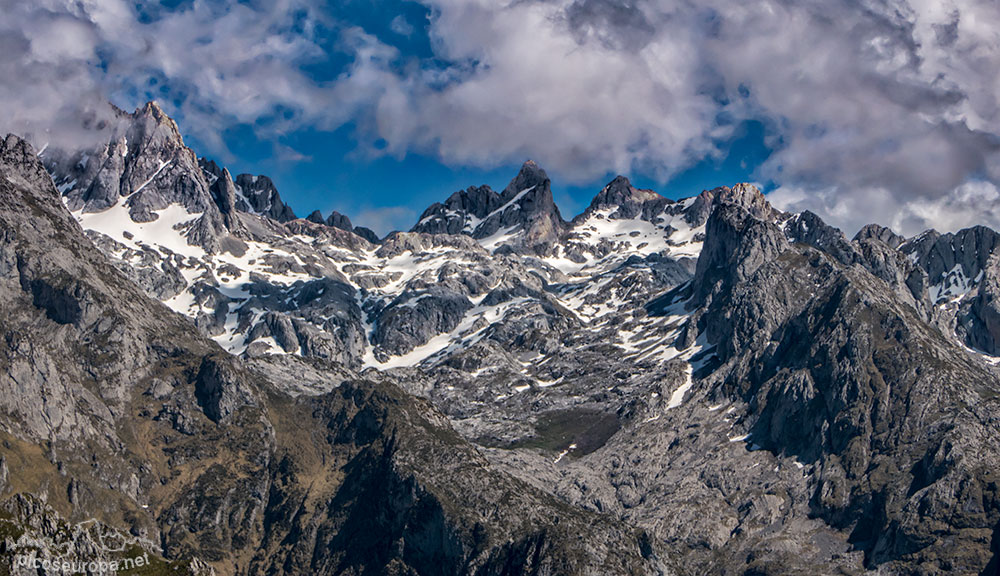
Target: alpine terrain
x,y
190,371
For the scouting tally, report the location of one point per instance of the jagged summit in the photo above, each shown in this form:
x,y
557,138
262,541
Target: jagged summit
x,y
523,217
620,200
342,222
153,111
529,176
261,197
880,233
620,191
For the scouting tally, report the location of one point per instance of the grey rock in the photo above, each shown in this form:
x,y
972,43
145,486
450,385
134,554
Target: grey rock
x,y
737,244
525,208
460,213
627,201
367,233
880,233
939,254
338,220
413,318
316,217
221,389
262,197
810,229
978,321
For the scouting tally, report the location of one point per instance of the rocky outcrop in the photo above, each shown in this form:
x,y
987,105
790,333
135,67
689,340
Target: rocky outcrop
x,y
737,245
953,258
880,233
808,228
342,222
978,319
626,202
524,213
460,214
413,318
147,168
338,220
527,210
260,196
221,388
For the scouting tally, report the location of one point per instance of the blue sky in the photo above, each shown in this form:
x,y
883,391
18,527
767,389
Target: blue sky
x,y
377,108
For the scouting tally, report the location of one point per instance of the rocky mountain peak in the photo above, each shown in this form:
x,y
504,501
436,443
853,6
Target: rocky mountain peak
x,y
530,175
749,197
880,233
737,243
155,115
338,220
460,213
145,161
625,201
261,197
316,217
19,158
528,218
808,228
342,222
523,217
968,249
746,195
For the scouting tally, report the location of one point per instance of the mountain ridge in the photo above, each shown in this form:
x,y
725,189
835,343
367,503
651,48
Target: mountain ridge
x,y
748,389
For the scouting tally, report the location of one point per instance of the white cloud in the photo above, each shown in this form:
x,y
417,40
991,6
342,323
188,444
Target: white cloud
x,y
886,111
401,26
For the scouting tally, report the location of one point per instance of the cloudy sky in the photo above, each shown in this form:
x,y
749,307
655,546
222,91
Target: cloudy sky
x,y
858,110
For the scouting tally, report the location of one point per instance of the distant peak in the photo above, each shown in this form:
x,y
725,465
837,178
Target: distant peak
x,y
152,110
620,194
748,196
620,180
531,174
530,167
338,220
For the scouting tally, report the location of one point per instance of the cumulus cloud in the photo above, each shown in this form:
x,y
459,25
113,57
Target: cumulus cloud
x,y
873,107
401,26
877,110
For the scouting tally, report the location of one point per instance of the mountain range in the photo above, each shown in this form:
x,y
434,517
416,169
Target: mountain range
x,y
707,385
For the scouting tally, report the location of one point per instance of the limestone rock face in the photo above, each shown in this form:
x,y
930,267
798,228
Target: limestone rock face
x,y
737,245
880,233
261,197
979,316
626,202
524,215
